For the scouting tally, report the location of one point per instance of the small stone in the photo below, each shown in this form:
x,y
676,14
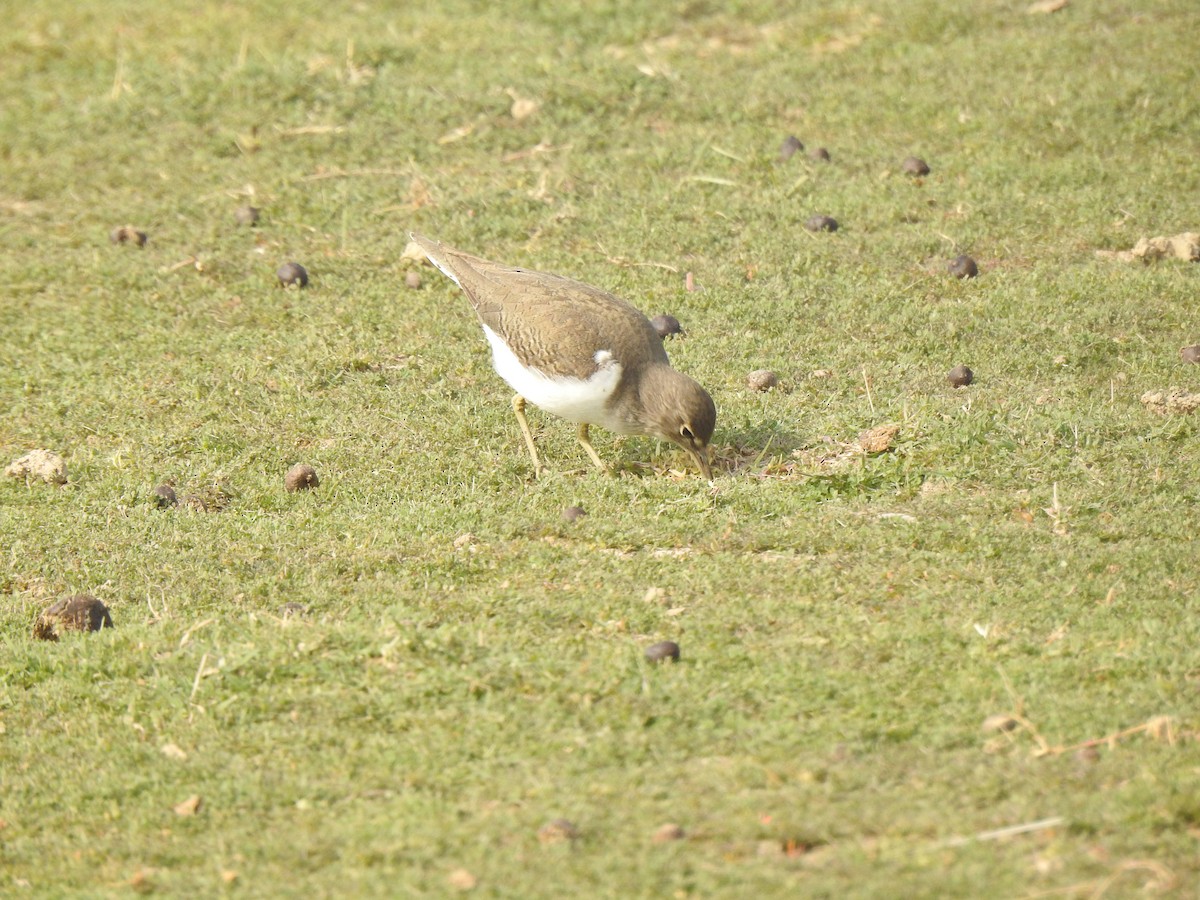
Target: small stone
x,y
914,166
164,496
301,477
667,833
790,147
1190,354
819,154
960,376
558,830
999,722
522,107
666,326
247,215
39,465
462,880
574,513
762,380
82,612
188,807
412,280
292,273
821,223
663,651
963,267
127,234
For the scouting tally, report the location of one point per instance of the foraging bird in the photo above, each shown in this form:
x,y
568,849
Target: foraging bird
x,y
580,353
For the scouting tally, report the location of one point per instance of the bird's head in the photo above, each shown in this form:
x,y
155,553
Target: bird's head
x,y
680,411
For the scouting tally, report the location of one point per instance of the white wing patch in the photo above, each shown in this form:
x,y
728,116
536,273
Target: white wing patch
x,y
574,399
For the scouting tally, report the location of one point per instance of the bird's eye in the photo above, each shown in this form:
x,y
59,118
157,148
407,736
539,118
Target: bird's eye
x,y
686,431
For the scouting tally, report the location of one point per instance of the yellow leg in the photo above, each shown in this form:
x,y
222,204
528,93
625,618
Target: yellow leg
x,y
591,451
518,404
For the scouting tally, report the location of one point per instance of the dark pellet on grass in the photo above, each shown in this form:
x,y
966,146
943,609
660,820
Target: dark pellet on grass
x,y
574,513
164,496
301,477
666,326
960,376
292,273
663,651
914,166
247,215
82,612
819,154
821,223
127,234
963,267
790,147
558,830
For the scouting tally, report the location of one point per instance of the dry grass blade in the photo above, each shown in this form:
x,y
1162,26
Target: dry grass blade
x,y
996,834
1160,728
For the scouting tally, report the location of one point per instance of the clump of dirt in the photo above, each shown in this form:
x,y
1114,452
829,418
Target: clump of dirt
x,y
963,267
301,477
663,651
1175,401
960,376
39,465
1185,246
165,497
762,380
557,831
878,439
127,234
212,497
82,612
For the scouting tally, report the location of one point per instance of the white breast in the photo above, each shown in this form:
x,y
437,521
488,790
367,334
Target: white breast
x,y
574,399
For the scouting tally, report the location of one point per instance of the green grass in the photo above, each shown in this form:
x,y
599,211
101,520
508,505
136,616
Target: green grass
x,y
471,665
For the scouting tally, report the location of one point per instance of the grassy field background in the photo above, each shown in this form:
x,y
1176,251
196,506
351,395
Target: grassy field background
x,y
468,664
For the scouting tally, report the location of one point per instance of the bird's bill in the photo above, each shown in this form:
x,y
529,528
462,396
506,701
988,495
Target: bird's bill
x,y
701,456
